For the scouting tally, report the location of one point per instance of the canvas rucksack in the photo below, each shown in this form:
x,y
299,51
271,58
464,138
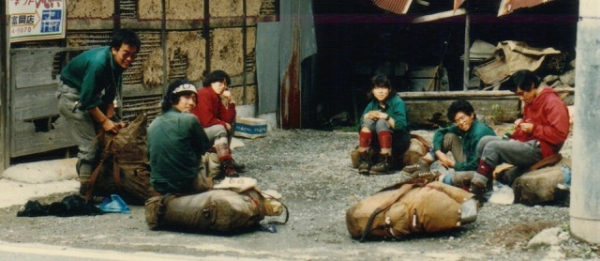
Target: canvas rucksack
x,y
124,168
406,209
233,206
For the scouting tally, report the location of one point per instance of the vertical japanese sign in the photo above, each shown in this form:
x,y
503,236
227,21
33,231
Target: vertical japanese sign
x,y
32,20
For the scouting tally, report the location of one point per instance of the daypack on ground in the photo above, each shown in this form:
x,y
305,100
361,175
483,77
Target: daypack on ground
x,y
234,205
407,209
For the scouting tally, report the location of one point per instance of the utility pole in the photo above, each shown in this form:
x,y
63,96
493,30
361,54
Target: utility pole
x,y
585,195
4,85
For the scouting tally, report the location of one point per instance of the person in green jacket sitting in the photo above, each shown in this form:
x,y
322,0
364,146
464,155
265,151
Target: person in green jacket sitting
x,y
460,138
176,143
384,128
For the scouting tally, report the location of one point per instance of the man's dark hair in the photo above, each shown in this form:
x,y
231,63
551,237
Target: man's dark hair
x,y
460,106
125,37
524,79
381,80
217,76
171,98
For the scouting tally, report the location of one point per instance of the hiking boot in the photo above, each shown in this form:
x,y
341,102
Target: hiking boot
x,y
428,175
383,166
364,163
422,165
83,188
478,189
228,169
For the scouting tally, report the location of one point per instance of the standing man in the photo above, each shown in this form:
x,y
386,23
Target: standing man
x,y
176,143
539,134
90,84
216,112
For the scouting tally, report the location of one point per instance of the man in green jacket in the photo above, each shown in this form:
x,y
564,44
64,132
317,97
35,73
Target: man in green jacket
x,y
91,83
460,138
176,143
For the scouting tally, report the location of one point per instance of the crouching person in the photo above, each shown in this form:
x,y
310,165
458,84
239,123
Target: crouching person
x,y
406,209
384,129
176,143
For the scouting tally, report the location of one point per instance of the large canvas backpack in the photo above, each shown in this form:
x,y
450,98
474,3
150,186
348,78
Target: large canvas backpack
x,y
234,207
405,209
124,168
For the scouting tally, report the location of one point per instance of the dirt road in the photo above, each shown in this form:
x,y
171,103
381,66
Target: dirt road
x,y
311,169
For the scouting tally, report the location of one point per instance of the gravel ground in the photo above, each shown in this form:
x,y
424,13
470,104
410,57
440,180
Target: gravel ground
x,y
312,170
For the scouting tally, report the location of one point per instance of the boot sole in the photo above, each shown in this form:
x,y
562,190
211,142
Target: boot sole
x,y
379,173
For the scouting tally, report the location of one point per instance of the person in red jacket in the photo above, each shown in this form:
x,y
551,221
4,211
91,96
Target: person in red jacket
x,y
539,134
216,113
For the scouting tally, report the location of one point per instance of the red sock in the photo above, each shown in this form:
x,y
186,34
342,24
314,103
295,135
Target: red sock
x,y
385,139
485,169
365,139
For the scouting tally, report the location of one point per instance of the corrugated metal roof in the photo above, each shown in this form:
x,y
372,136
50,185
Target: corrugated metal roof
x,y
395,6
508,6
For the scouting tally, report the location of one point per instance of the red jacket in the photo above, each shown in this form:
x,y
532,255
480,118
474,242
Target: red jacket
x,y
211,111
550,118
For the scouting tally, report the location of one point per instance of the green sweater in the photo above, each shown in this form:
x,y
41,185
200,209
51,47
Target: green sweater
x,y
93,72
395,109
468,139
176,142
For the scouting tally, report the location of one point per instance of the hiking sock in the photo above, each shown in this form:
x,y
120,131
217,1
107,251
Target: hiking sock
x,y
365,139
385,140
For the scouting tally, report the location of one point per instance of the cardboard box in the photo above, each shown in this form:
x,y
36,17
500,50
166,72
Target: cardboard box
x,y
250,128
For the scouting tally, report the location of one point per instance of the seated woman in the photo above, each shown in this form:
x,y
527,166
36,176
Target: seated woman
x,y
384,128
176,143
460,138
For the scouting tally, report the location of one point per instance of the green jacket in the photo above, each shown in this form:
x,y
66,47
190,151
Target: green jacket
x,y
176,143
93,72
395,109
469,140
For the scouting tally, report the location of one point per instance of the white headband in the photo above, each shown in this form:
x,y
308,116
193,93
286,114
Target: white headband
x,y
186,87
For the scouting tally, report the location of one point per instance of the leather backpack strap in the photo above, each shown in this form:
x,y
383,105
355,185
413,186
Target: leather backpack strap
x,y
117,173
385,205
547,161
94,177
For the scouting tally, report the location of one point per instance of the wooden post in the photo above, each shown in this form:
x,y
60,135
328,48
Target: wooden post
x,y
163,43
244,46
4,85
466,66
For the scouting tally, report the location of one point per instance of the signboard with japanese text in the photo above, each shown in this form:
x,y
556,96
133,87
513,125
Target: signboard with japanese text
x,y
32,20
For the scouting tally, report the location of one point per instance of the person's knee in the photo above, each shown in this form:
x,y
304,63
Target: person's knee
x,y
365,129
382,125
449,139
